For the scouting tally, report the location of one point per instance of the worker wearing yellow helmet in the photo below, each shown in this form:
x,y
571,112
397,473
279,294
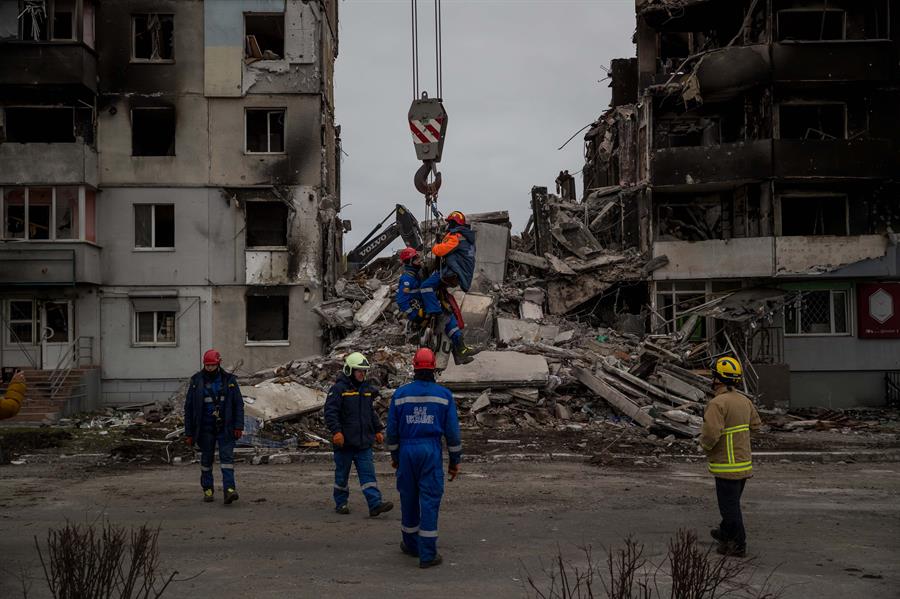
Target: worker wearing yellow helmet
x,y
355,427
725,437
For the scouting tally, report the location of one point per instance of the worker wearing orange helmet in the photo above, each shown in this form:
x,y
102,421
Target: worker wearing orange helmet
x,y
214,415
421,413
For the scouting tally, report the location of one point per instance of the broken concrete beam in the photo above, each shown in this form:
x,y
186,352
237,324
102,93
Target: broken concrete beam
x,y
531,311
558,266
271,402
654,263
529,259
483,402
565,294
673,384
613,397
497,369
370,312
490,259
647,387
510,330
598,262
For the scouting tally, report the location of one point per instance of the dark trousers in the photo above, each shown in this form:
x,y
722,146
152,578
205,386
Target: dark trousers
x,y
728,492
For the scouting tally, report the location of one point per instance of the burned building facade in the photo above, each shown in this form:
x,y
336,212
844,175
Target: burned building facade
x,y
169,183
756,144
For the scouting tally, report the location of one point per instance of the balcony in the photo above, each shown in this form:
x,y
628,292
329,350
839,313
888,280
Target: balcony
x,y
726,73
48,164
846,61
59,64
711,166
826,159
29,263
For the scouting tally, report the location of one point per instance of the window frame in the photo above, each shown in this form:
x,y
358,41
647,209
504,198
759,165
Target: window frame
x,y
268,111
134,59
7,313
155,343
810,196
80,226
174,111
152,247
281,14
846,134
267,342
848,314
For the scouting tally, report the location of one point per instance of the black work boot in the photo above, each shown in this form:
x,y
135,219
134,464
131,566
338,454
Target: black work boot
x,y
343,510
716,534
384,506
435,562
208,495
230,496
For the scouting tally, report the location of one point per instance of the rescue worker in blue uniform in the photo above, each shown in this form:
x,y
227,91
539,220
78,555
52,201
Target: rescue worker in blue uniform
x,y
409,300
214,415
355,427
420,413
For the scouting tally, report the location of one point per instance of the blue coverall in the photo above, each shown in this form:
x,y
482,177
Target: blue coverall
x,y
213,410
349,411
420,413
409,300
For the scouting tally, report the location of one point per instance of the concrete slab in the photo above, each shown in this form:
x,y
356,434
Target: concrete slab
x,y
531,311
492,242
373,308
277,401
497,369
510,330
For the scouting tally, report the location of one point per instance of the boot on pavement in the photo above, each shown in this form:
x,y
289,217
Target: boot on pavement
x,y
230,496
384,506
207,495
435,562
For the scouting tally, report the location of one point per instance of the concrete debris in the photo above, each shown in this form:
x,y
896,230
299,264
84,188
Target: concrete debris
x,y
274,401
497,369
531,311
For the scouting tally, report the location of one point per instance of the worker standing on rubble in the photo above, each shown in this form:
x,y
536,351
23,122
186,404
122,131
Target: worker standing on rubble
x,y
355,427
214,415
725,437
421,412
456,252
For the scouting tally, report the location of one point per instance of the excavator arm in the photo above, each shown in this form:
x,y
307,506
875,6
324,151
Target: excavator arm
x,y
404,226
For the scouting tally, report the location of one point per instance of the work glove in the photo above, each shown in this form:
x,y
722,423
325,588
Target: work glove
x,y
379,438
453,471
189,441
394,464
238,433
338,439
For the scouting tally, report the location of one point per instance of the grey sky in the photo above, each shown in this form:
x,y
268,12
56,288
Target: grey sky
x,y
520,76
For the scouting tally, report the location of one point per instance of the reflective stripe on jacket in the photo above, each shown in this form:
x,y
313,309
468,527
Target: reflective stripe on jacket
x,y
725,436
420,411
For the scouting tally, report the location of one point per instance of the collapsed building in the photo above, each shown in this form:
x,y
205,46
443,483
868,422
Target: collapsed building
x,y
755,144
169,182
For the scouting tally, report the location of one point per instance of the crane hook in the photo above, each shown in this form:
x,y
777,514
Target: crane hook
x,y
429,190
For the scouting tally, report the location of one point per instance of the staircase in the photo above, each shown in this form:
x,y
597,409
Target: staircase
x,y
42,403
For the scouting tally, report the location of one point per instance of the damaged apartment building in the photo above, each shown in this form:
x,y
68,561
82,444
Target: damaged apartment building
x,y
754,144
169,182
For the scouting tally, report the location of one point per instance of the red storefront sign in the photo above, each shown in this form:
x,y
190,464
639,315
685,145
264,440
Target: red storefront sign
x,y
878,309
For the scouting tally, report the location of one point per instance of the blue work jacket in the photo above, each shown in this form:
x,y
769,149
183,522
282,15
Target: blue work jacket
x,y
420,410
349,410
231,404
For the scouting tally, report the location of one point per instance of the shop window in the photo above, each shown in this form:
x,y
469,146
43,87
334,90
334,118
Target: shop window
x,y
812,121
154,226
153,131
267,318
814,215
811,25
264,36
40,125
265,131
266,224
40,213
154,327
824,312
153,37
21,322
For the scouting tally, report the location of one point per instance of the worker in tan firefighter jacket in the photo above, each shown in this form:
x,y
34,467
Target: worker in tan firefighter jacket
x,y
725,437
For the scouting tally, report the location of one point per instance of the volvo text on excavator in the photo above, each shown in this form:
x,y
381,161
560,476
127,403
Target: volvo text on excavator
x,y
405,226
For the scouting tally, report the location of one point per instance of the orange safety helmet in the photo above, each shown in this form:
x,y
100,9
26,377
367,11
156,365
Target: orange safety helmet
x,y
212,357
424,359
407,255
456,217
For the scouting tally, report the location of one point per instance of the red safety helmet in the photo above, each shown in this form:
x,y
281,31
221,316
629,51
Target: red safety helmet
x,y
212,357
456,217
407,255
424,359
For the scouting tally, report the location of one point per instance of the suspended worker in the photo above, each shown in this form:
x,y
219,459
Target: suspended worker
x,y
12,400
421,412
409,301
355,428
214,415
725,437
456,253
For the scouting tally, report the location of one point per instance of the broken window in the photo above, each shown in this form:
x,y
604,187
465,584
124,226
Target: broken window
x,y
40,125
674,300
154,226
267,317
34,21
265,131
812,121
811,25
20,320
39,206
66,209
40,213
153,131
695,218
266,224
154,327
814,215
674,48
818,313
153,38
264,36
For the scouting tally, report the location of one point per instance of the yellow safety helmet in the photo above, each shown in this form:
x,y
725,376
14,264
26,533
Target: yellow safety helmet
x,y
727,370
355,361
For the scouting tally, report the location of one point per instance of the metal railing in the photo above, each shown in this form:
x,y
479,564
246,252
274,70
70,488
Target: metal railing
x,y
69,359
892,388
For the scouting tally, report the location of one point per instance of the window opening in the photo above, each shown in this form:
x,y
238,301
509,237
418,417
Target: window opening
x,y
153,37
266,224
21,319
813,121
153,131
264,36
811,25
265,131
154,226
40,125
267,318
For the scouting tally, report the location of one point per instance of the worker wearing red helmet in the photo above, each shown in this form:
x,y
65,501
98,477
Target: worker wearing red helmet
x,y
420,414
214,415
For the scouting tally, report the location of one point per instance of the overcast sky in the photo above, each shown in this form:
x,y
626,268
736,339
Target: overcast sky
x,y
520,77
